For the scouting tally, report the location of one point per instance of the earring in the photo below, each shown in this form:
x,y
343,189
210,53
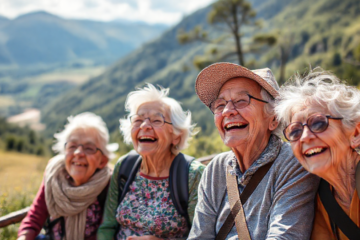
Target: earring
x,y
357,149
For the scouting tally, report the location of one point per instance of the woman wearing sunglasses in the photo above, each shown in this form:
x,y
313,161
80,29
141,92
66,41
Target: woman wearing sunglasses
x,y
322,117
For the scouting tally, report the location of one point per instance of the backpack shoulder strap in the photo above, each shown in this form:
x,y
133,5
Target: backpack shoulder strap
x,y
127,172
179,184
336,213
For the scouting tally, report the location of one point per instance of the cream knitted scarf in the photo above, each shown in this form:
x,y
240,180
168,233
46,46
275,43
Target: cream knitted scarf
x,y
71,202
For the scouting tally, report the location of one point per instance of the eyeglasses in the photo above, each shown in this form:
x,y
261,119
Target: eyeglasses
x,y
157,120
317,123
89,148
239,102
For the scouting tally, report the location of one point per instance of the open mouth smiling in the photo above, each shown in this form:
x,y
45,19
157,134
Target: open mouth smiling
x,y
231,126
147,139
314,151
79,164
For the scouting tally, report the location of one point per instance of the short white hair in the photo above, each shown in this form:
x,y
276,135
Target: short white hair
x,y
86,120
269,109
322,88
181,121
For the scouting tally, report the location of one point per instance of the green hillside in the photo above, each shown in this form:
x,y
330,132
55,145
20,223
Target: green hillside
x,y
42,56
325,32
162,61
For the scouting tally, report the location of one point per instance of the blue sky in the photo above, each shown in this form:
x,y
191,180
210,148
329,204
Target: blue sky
x,y
151,11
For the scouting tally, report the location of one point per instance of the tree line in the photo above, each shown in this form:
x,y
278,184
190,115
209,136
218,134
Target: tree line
x,y
22,139
231,21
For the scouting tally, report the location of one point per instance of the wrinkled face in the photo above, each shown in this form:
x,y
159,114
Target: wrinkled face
x,y
320,152
243,127
81,166
150,140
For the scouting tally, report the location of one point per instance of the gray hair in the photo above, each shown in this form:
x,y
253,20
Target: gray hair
x,y
181,121
84,121
269,109
323,88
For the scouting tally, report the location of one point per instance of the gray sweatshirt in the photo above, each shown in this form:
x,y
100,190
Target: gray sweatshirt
x,y
281,207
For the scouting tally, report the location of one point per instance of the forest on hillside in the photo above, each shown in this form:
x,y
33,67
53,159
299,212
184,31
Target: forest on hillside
x,y
22,139
325,33
286,36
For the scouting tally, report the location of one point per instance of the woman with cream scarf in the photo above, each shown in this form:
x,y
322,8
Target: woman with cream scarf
x,y
75,183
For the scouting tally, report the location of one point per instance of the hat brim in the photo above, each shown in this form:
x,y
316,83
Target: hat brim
x,y
212,78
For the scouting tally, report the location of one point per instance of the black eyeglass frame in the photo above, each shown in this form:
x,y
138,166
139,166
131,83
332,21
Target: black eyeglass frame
x,y
150,120
250,97
82,145
327,117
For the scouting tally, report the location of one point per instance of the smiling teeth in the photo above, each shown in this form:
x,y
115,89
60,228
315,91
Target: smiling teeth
x,y
143,138
234,124
314,150
79,164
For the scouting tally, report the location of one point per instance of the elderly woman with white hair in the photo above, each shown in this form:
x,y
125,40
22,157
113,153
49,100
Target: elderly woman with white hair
x,y
155,198
322,115
73,192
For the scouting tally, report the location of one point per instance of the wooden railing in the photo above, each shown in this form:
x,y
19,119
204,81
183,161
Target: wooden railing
x,y
13,217
18,216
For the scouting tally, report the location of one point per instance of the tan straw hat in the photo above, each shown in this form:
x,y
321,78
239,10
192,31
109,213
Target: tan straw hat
x,y
211,79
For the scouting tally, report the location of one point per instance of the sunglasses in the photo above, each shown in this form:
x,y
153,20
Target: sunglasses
x,y
316,123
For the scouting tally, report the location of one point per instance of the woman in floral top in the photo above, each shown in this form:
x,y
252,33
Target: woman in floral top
x,y
158,129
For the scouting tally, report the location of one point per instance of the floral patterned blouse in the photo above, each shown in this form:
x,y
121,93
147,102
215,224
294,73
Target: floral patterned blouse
x,y
147,208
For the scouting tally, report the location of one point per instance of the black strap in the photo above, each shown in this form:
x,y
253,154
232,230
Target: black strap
x,y
127,171
178,182
49,227
336,213
178,179
244,196
357,179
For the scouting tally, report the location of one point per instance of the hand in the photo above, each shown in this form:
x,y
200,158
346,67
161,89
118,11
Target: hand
x,y
22,237
147,237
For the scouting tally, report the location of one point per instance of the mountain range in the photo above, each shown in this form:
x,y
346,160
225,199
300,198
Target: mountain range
x,y
323,32
43,38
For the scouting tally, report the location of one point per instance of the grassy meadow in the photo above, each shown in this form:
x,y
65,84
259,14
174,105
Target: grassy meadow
x,y
20,171
20,178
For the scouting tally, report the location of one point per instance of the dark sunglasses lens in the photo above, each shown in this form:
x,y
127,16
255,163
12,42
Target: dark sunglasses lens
x,y
293,131
318,123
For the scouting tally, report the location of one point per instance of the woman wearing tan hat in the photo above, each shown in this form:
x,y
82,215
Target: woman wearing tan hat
x,y
277,194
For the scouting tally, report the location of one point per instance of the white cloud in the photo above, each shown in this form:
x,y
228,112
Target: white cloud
x,y
150,11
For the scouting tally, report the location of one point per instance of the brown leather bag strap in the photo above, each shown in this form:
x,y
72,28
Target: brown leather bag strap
x,y
238,212
236,201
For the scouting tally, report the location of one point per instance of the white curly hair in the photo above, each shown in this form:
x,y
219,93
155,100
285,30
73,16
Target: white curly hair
x,y
181,121
83,121
323,88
